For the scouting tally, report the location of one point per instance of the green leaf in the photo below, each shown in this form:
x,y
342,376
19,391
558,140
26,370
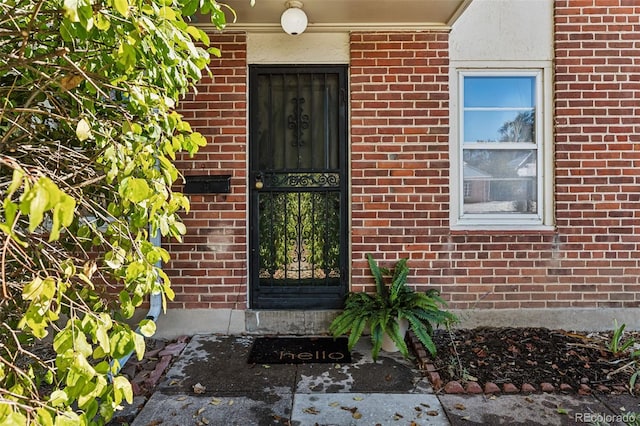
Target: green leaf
x,y
70,8
16,181
58,398
167,13
38,202
44,417
122,389
190,7
122,6
147,327
63,214
135,189
39,289
63,341
102,22
80,344
139,345
68,418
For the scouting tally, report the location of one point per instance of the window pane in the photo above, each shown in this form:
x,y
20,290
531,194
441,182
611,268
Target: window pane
x,y
499,181
499,126
499,92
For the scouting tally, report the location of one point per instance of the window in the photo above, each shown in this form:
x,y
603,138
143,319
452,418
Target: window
x,y
500,151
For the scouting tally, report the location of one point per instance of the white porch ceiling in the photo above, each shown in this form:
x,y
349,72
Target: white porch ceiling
x,y
344,15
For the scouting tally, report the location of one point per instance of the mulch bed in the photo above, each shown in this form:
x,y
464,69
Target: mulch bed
x,y
512,360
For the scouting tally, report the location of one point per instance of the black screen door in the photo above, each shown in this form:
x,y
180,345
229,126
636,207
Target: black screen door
x,y
297,181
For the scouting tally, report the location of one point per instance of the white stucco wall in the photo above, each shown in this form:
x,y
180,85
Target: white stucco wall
x,y
504,30
306,48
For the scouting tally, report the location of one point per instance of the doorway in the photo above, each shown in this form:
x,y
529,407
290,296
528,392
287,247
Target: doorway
x,y
298,187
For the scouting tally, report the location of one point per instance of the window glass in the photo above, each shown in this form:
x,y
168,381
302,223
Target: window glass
x,y
499,126
499,151
499,92
499,181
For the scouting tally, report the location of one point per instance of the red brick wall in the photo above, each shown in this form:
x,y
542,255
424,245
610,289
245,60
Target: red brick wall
x,y
399,149
209,269
597,149
400,174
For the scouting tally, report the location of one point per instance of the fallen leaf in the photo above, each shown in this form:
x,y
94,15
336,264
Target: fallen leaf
x,y
231,402
200,410
311,410
181,398
433,413
215,401
356,415
358,398
334,404
266,366
466,418
459,406
205,420
199,389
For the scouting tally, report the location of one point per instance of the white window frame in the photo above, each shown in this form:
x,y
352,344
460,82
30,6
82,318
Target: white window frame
x,y
542,219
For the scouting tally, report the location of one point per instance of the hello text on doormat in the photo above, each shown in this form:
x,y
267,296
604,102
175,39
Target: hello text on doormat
x,y
299,350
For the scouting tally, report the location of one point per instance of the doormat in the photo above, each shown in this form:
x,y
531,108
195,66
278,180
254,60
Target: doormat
x,y
299,350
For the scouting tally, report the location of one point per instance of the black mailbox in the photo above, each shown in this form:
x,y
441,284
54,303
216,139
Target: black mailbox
x,y
216,184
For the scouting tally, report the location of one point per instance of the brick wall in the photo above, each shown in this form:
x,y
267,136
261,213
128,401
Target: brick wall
x,y
598,149
209,269
400,169
399,149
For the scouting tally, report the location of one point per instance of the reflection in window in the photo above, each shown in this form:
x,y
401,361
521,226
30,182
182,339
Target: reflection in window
x,y
500,181
500,147
499,109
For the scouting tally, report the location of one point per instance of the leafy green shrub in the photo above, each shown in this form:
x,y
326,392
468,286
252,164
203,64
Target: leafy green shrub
x,y
382,311
88,133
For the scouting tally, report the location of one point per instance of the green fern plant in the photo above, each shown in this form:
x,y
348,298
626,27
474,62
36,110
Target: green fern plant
x,y
382,311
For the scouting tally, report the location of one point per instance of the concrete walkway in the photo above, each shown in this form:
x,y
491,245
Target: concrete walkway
x,y
211,384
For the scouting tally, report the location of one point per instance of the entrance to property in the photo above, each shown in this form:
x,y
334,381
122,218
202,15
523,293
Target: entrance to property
x,y
297,181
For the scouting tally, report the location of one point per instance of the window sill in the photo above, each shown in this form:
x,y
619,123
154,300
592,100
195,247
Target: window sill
x,y
521,228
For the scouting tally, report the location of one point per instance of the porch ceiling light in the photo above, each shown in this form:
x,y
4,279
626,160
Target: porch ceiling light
x,y
293,20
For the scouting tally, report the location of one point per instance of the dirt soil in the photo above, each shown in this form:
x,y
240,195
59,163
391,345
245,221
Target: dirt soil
x,y
534,356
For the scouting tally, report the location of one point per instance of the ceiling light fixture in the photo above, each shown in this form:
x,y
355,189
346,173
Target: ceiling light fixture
x,y
293,20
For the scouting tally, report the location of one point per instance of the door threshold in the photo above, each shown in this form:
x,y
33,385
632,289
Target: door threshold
x,y
290,322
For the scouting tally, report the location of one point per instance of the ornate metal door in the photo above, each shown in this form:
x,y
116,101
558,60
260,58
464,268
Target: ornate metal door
x,y
297,180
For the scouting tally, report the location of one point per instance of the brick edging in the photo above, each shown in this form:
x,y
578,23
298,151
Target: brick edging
x,y
473,388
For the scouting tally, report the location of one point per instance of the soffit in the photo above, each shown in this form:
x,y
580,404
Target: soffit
x,y
348,15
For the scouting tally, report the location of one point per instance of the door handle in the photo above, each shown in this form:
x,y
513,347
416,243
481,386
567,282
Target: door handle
x,y
259,184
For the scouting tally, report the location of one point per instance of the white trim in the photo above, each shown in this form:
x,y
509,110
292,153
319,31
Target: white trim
x,y
542,220
333,27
